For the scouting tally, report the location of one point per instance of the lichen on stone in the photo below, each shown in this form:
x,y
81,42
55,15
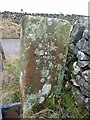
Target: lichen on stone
x,y
44,48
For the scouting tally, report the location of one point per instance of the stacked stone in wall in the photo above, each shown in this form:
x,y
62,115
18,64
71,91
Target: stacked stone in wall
x,y
79,61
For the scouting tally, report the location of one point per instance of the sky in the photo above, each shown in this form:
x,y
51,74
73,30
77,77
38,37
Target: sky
x,y
79,7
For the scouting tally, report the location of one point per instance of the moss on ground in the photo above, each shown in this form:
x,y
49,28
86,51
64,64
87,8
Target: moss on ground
x,y
70,107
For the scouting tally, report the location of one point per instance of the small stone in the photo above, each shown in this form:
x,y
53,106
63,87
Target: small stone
x,y
73,49
77,32
78,77
86,100
75,29
85,34
78,96
87,103
68,86
86,75
76,68
74,82
81,82
82,64
83,45
85,92
82,56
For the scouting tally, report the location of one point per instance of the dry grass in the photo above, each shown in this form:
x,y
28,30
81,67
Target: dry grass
x,y
9,89
9,29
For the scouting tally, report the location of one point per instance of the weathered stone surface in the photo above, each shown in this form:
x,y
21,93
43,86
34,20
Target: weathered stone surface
x,y
86,75
44,47
77,32
80,73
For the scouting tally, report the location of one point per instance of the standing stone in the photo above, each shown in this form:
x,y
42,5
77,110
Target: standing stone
x,y
44,47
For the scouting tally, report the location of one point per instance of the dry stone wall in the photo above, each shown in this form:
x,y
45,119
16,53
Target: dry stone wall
x,y
79,62
16,16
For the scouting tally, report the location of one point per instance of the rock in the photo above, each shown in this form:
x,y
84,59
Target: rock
x,y
86,34
83,64
78,96
80,48
83,45
44,47
82,56
87,103
76,68
77,32
86,75
73,49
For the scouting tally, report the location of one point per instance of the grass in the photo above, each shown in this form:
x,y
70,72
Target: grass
x,y
10,86
62,106
68,102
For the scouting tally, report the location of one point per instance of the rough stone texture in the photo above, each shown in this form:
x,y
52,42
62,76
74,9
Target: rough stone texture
x,y
44,47
79,60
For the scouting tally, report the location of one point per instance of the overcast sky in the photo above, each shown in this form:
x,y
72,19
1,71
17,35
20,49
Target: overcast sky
x,y
46,6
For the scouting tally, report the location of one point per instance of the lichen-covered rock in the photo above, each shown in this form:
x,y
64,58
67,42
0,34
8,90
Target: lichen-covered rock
x,y
44,47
